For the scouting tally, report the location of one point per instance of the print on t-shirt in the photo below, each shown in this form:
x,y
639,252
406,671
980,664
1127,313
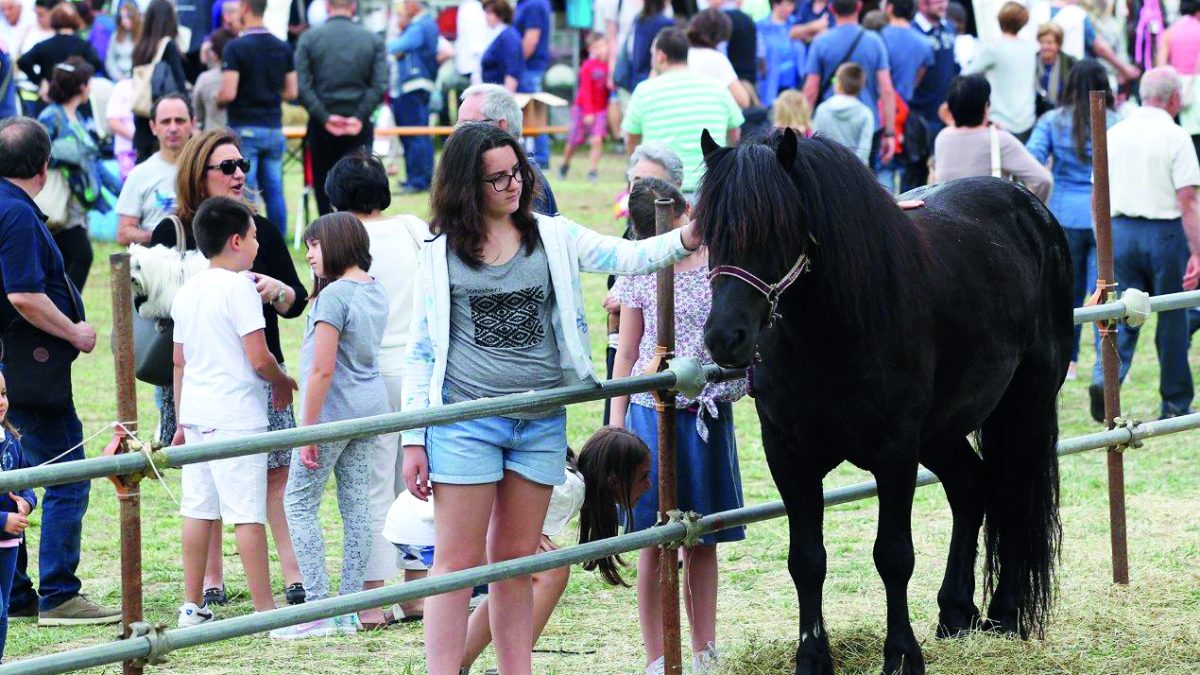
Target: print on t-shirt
x,y
508,320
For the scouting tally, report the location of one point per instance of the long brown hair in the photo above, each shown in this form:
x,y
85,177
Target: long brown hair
x,y
190,189
135,17
608,462
457,200
159,22
344,244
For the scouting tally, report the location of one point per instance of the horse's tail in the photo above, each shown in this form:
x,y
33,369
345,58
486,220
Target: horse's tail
x,y
1022,531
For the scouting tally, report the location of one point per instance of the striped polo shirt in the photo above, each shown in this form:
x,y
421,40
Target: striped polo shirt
x,y
676,107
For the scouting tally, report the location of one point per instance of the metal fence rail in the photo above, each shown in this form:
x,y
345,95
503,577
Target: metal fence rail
x,y
102,467
156,645
682,372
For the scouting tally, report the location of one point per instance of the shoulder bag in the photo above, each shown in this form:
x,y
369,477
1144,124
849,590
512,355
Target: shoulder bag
x,y
154,339
37,364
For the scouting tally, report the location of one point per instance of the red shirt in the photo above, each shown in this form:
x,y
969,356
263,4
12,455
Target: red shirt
x,y
593,87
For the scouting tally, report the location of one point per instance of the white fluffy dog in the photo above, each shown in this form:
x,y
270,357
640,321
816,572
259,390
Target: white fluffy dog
x,y
158,272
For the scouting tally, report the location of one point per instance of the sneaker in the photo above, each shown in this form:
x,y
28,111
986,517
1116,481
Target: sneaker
x,y
562,170
657,667
593,177
1096,394
215,596
705,660
192,615
26,612
294,594
79,611
346,624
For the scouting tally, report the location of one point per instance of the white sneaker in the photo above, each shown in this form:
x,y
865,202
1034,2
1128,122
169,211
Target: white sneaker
x,y
705,660
191,614
345,624
657,667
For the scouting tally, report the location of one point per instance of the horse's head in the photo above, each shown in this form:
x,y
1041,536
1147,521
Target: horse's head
x,y
751,219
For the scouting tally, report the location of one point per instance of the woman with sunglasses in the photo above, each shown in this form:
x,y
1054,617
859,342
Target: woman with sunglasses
x,y
498,310
211,165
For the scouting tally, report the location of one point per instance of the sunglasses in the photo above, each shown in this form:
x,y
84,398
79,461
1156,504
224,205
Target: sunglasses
x,y
230,166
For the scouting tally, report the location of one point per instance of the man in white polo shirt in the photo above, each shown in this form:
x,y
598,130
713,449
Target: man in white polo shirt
x,y
149,192
1153,174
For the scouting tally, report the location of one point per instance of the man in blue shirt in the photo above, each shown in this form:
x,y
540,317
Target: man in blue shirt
x,y
533,21
909,54
781,56
848,41
416,49
930,92
41,306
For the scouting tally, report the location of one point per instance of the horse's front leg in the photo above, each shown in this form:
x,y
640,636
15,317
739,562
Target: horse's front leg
x,y
806,562
894,560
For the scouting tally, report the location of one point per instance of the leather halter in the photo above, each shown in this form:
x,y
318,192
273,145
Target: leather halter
x,y
771,291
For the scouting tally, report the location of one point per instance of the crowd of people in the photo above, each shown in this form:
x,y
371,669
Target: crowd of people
x,y
485,299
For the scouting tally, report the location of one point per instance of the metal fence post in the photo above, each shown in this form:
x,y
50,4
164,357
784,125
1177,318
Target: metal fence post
x,y
668,568
1106,285
128,487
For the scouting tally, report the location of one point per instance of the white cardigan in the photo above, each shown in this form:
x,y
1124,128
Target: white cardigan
x,y
570,248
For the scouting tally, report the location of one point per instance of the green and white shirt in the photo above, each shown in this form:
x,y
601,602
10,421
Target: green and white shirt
x,y
676,107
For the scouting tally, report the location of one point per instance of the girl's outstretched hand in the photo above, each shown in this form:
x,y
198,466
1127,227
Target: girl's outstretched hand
x,y
308,457
690,234
416,472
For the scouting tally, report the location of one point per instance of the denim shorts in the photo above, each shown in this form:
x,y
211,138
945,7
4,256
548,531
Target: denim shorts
x,y
480,451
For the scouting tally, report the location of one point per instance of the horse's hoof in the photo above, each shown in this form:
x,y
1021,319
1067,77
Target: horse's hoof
x,y
813,661
959,627
902,656
905,664
1000,626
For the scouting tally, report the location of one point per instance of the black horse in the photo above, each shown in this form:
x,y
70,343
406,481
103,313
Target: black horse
x,y
911,331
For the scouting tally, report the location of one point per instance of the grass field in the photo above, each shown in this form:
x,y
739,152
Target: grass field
x,y
1151,626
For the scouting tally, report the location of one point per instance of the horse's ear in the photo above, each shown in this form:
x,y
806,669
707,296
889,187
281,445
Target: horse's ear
x,y
707,145
786,153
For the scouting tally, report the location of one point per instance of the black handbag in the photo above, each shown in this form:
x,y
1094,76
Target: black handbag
x,y
37,365
153,339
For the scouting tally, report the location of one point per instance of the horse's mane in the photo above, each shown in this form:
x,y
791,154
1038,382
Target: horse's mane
x,y
866,254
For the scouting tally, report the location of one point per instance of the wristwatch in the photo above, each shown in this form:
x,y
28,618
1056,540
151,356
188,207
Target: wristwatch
x,y
281,296
889,133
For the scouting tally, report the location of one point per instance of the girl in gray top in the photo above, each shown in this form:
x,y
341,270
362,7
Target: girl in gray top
x,y
340,378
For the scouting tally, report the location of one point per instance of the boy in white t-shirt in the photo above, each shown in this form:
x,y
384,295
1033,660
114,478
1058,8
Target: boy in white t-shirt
x,y
221,360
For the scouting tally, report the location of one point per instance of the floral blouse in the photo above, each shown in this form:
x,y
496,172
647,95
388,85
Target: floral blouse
x,y
693,298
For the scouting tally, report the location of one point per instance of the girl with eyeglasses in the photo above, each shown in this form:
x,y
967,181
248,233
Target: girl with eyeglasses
x,y
211,165
499,310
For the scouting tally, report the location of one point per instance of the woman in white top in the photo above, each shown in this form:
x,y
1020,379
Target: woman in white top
x,y
707,30
358,183
1010,65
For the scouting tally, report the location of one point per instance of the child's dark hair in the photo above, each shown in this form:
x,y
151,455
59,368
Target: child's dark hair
x,y
69,78
608,462
641,204
344,244
218,219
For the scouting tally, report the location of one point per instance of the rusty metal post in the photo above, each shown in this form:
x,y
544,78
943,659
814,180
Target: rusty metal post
x,y
668,568
128,487
1106,286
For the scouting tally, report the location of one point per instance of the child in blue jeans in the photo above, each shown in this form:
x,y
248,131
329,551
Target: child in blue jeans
x,y
14,509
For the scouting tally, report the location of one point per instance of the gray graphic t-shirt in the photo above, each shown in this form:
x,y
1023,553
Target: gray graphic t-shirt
x,y
501,336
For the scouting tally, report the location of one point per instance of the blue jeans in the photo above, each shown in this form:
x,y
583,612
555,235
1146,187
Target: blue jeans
x,y
1151,255
45,434
8,567
412,110
530,82
1083,272
264,148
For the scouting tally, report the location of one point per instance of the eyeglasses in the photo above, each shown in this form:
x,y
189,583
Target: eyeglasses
x,y
505,180
230,166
